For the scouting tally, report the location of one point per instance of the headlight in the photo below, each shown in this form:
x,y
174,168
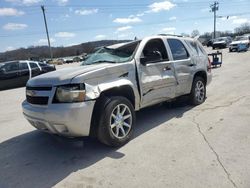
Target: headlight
x,y
70,93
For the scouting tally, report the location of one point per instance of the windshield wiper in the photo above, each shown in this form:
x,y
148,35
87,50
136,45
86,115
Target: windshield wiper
x,y
103,61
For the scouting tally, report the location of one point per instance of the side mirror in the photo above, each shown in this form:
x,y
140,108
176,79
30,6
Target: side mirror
x,y
151,57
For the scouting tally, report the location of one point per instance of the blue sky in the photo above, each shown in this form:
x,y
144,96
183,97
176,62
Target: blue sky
x,y
76,21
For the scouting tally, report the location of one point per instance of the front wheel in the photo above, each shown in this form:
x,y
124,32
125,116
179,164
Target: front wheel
x,y
198,92
116,122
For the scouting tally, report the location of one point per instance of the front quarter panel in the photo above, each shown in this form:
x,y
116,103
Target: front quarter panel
x,y
118,75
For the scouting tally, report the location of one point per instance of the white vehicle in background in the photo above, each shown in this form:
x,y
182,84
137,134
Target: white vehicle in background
x,y
240,42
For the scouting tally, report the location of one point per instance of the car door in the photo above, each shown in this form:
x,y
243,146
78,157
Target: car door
x,y
9,77
156,73
24,73
35,70
183,64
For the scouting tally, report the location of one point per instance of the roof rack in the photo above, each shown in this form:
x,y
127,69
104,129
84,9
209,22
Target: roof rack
x,y
171,35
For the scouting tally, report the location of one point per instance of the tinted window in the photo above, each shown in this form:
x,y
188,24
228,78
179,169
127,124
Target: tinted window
x,y
11,67
193,46
33,65
178,49
155,46
23,66
43,65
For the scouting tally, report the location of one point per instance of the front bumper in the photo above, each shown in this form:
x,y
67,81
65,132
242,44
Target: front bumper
x,y
220,45
67,119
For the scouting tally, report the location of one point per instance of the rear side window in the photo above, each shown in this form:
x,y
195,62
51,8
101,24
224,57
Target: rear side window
x,y
11,66
33,65
42,65
23,66
201,50
195,47
178,50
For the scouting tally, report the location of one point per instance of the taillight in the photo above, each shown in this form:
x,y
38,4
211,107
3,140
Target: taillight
x,y
209,66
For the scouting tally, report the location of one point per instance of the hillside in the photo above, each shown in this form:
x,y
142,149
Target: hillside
x,y
43,51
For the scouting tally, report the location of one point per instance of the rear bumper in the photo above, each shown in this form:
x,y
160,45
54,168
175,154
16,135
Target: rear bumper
x,y
71,119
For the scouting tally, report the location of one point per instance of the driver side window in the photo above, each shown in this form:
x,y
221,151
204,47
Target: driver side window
x,y
154,51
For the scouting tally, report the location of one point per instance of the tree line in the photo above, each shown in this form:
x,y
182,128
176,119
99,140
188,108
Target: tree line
x,y
42,52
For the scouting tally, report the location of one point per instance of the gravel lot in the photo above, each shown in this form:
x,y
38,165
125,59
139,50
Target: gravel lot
x,y
178,146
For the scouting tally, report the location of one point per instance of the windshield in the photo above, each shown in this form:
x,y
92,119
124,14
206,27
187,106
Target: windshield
x,y
220,39
111,54
241,38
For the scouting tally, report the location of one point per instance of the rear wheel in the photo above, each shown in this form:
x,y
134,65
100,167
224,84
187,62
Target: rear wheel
x,y
198,92
116,122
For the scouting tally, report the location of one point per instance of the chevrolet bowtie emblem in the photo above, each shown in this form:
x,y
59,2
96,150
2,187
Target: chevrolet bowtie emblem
x,y
30,93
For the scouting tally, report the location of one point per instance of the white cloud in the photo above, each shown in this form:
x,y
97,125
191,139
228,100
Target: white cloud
x,y
65,35
45,41
14,26
71,44
100,37
172,18
62,2
31,2
169,30
161,6
240,21
125,28
24,2
205,10
236,20
140,14
122,36
85,12
127,20
10,12
10,48
229,18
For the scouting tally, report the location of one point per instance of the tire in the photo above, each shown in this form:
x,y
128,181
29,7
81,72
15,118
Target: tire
x,y
198,96
116,122
230,50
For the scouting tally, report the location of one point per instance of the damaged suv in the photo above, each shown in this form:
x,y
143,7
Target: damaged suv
x,y
100,97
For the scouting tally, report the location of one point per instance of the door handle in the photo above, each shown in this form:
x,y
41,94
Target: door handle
x,y
167,68
192,65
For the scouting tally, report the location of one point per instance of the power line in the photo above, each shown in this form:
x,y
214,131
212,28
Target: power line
x,y
114,27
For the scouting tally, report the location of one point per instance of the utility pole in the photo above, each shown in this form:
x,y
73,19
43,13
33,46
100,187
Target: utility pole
x,y
46,27
214,7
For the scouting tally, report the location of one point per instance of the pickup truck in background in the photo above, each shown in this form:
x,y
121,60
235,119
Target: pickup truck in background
x,y
221,42
16,73
100,97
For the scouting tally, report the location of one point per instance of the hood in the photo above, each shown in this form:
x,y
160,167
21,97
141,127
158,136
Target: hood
x,y
240,42
64,76
219,42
